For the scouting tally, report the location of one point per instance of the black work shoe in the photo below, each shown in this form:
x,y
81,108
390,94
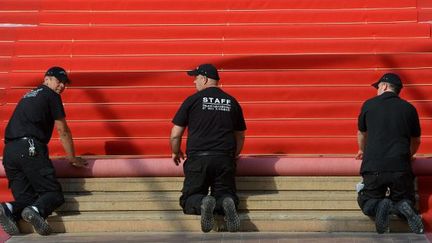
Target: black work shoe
x,y
34,218
414,220
382,219
231,217
208,205
7,221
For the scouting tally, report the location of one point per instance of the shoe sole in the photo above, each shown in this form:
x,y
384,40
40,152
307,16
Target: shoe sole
x,y
37,221
414,221
231,216
7,224
382,217
207,219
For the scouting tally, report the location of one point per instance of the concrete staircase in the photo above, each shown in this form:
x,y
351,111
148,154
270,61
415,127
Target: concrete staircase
x,y
282,203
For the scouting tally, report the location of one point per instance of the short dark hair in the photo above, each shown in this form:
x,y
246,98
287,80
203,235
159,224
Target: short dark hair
x,y
395,88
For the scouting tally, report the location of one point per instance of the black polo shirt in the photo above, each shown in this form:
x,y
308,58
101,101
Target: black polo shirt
x,y
211,116
35,114
390,122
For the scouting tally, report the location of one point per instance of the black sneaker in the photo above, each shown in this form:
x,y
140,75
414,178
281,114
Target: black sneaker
x,y
208,205
231,217
414,220
382,219
34,218
7,221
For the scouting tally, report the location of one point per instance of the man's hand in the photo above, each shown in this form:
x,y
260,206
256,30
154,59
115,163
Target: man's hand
x,y
177,157
78,162
359,155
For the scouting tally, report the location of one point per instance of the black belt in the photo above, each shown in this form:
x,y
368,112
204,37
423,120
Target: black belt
x,y
21,138
211,153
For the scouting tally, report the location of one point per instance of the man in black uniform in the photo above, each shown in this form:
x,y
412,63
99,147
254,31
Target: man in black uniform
x,y
31,175
388,138
215,138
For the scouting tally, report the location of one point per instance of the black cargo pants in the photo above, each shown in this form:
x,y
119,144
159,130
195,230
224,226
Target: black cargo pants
x,y
396,186
32,179
216,172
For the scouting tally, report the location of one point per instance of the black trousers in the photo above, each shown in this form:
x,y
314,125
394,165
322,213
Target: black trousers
x,y
396,186
32,180
216,172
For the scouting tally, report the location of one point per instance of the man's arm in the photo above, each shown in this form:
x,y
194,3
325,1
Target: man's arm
x,y
239,137
415,144
361,140
175,143
67,143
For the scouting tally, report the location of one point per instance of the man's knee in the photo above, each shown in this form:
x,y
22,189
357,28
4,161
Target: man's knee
x,y
368,206
191,204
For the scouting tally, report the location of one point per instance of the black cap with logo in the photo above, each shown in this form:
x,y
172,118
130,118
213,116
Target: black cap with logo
x,y
207,70
59,73
390,78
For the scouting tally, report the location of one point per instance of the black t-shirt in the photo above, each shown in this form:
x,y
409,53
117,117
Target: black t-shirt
x,y
390,122
35,114
211,116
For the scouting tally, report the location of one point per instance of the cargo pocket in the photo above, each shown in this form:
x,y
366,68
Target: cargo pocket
x,y
193,176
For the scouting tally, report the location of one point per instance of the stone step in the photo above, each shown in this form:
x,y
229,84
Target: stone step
x,y
271,183
250,200
176,221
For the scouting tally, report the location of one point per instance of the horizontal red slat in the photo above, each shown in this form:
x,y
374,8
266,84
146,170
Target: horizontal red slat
x,y
253,145
245,94
212,17
197,4
136,48
228,77
312,62
251,110
216,32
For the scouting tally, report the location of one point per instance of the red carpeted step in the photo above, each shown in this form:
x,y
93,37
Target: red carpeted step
x,y
254,128
255,145
198,5
348,30
248,62
425,15
211,17
228,77
143,48
251,110
5,64
6,48
260,127
242,93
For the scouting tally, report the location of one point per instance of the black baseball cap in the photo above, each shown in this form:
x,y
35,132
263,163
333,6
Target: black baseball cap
x,y
207,70
59,73
390,78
